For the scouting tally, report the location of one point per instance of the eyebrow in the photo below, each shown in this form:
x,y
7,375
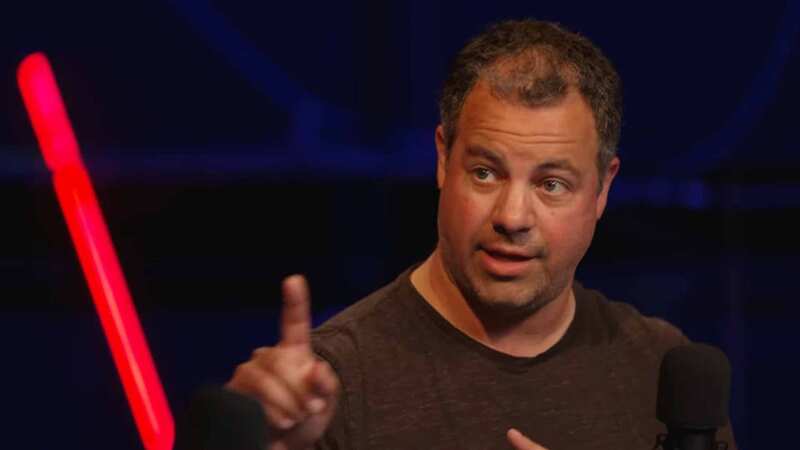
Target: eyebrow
x,y
487,154
558,164
549,164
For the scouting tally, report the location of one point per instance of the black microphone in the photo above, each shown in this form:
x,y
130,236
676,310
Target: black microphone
x,y
218,419
693,396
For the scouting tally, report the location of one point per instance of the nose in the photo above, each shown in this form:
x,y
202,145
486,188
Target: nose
x,y
513,215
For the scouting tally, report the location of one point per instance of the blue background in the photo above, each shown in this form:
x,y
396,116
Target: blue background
x,y
233,143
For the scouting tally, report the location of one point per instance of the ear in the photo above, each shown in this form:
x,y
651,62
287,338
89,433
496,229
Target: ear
x,y
608,178
441,157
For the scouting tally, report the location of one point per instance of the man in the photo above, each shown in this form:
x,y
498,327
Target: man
x,y
490,340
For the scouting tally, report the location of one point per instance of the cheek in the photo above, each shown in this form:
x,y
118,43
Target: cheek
x,y
569,233
461,215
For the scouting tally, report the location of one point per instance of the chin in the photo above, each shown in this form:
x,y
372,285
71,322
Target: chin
x,y
508,299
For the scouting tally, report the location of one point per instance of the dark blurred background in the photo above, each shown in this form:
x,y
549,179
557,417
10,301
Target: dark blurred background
x,y
232,143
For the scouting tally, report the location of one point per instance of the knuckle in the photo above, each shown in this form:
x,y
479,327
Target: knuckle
x,y
328,377
260,353
289,369
265,357
242,377
276,392
277,419
241,371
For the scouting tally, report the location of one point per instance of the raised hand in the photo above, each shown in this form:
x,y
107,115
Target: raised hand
x,y
297,389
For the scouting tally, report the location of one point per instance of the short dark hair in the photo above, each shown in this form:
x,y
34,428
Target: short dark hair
x,y
535,63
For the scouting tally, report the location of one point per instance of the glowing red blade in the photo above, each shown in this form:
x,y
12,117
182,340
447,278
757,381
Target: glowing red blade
x,y
96,253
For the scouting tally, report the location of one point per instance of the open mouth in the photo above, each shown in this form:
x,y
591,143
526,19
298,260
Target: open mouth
x,y
504,264
507,256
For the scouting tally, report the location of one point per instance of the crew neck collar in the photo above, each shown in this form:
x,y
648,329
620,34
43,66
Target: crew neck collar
x,y
507,361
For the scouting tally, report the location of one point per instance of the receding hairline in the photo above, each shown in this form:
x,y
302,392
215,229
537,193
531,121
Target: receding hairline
x,y
513,99
541,59
536,70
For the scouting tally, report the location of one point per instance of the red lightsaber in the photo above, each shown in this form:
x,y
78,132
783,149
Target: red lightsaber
x,y
96,253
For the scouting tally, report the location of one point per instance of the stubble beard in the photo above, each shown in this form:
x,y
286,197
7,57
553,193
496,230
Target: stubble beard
x,y
499,301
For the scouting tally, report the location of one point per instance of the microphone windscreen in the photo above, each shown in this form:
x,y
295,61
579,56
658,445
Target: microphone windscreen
x,y
218,418
694,387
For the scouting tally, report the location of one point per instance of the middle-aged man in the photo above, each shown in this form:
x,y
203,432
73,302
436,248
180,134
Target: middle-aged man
x,y
489,343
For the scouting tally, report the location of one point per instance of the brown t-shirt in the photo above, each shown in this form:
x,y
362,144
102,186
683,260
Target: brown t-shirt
x,y
410,380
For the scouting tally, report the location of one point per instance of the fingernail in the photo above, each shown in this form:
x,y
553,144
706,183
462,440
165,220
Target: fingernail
x,y
286,423
315,405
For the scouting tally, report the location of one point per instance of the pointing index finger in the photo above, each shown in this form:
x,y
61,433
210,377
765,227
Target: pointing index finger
x,y
522,442
296,314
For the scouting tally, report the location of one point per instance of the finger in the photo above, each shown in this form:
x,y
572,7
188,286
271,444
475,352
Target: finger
x,y
312,388
324,386
278,419
296,371
296,315
279,401
275,394
324,380
522,442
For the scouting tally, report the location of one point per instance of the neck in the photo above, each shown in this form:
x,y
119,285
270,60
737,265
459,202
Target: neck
x,y
528,337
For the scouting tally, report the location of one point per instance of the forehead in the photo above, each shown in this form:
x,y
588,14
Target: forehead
x,y
565,127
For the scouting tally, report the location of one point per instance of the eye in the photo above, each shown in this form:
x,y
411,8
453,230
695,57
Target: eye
x,y
553,186
483,174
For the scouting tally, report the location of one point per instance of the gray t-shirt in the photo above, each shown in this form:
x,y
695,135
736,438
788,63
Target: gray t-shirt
x,y
410,380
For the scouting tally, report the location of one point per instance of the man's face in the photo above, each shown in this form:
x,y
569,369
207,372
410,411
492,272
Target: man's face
x,y
519,199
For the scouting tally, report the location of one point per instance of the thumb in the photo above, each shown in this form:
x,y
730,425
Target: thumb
x,y
522,442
